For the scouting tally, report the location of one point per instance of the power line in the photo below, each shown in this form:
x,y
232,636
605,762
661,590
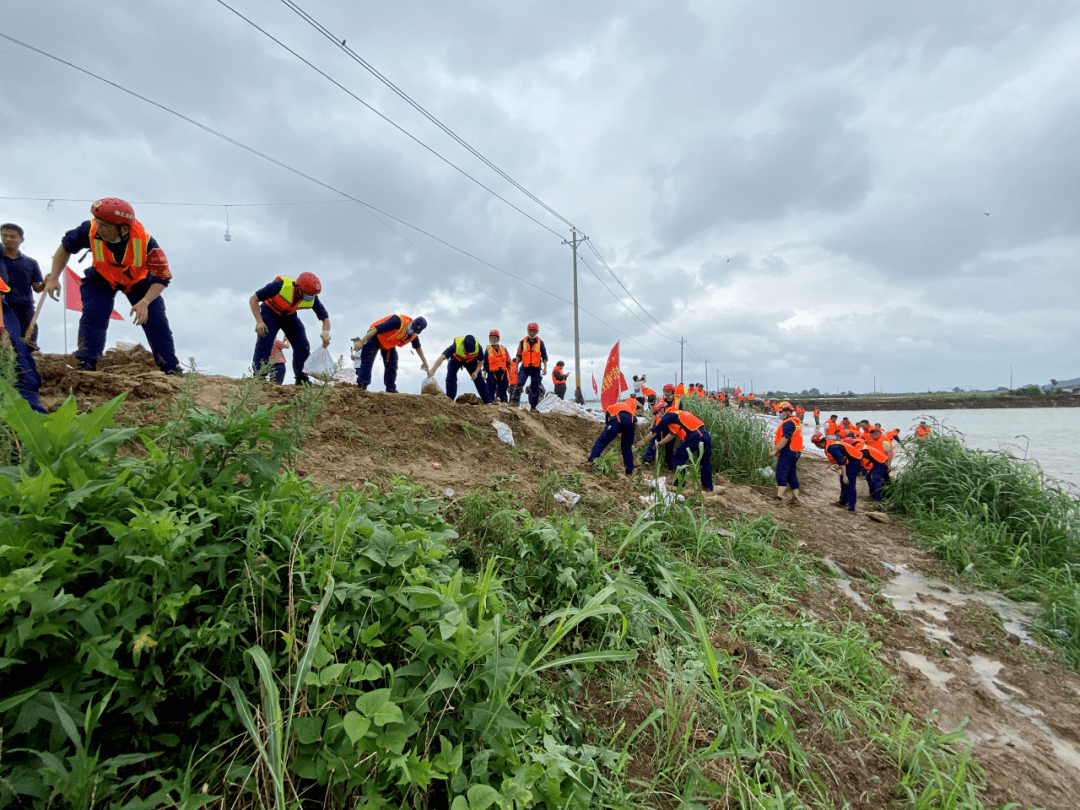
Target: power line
x,y
369,207
383,117
671,334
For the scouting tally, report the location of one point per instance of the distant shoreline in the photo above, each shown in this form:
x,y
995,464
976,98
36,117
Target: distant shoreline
x,y
938,403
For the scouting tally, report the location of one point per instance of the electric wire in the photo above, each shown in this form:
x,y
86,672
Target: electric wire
x,y
368,206
396,126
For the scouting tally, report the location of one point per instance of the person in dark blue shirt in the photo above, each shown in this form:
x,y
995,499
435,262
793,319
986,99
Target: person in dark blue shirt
x,y
27,380
275,307
23,276
465,352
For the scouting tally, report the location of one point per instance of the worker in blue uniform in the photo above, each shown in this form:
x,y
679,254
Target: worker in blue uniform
x,y
618,421
27,380
385,337
23,277
532,353
464,353
659,409
693,439
847,455
276,307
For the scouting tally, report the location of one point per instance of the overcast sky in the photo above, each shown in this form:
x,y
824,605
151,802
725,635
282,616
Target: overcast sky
x,y
812,194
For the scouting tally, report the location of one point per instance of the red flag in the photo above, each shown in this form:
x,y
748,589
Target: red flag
x,y
613,383
72,299
595,390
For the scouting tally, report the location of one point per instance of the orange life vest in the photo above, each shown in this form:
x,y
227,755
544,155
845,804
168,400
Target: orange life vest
x,y
558,377
529,349
620,407
498,357
289,298
511,373
4,288
680,390
685,422
831,427
849,451
921,432
795,443
132,268
648,392
392,340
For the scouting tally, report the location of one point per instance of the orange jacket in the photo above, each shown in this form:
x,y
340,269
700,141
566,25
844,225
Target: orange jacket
x,y
796,443
133,267
392,340
557,376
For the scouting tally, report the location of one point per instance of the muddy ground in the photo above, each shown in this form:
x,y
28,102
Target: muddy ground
x,y
953,660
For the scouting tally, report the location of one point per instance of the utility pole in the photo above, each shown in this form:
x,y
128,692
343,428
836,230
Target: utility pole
x,y
706,373
718,381
682,340
578,398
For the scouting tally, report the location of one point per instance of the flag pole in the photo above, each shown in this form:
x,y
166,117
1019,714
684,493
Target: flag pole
x,y
65,308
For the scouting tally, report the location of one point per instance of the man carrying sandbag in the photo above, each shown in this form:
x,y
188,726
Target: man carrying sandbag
x,y
275,307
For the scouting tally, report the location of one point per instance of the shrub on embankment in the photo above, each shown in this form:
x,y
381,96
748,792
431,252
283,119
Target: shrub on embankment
x,y
1002,521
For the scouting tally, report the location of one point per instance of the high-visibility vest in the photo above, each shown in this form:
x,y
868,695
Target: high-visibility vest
x,y
511,373
283,303
849,451
795,443
399,337
132,268
529,349
831,427
463,356
558,377
685,422
620,407
498,357
921,432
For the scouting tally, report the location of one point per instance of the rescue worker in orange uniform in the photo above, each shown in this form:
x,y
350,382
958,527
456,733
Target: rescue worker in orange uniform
x,y
558,377
832,427
512,383
693,438
497,365
788,444
849,459
532,354
817,417
847,429
125,259
27,379
922,430
649,394
385,337
875,462
276,307
659,409
464,352
800,412
618,421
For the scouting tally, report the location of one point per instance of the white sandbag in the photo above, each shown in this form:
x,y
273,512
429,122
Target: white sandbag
x,y
567,497
430,385
503,431
320,364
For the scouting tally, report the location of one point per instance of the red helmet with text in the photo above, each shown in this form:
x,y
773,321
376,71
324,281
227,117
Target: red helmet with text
x,y
532,327
113,209
493,335
309,284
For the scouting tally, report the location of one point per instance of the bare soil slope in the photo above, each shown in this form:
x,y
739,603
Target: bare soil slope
x,y
1024,709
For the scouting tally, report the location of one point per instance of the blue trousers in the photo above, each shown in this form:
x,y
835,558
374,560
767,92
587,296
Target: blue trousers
x,y
452,368
25,314
876,478
497,382
853,469
785,468
294,333
279,373
621,425
533,373
367,363
98,300
27,380
695,442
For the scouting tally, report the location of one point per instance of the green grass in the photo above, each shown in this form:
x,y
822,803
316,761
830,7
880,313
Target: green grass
x,y
740,442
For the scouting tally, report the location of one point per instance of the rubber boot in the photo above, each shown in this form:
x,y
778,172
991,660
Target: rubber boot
x,y
780,493
795,498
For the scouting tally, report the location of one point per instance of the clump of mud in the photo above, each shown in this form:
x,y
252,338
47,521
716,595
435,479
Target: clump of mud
x,y
129,369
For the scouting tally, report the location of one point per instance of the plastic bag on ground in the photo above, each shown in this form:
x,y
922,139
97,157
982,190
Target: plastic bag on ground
x,y
504,432
660,494
566,496
320,364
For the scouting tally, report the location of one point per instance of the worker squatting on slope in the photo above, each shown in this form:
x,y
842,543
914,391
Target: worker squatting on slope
x,y
694,440
125,259
276,307
532,354
847,455
465,352
385,337
618,421
27,380
788,443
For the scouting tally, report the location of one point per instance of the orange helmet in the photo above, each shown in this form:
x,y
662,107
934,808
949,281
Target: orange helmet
x,y
784,406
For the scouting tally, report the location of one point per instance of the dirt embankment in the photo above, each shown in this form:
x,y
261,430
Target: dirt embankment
x,y
840,405
441,445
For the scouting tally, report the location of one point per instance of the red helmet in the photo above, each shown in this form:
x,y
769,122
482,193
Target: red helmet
x,y
309,284
817,437
532,327
494,333
669,387
113,209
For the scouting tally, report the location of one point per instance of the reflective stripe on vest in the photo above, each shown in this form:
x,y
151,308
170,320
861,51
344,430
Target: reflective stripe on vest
x,y
795,443
399,337
463,356
132,268
283,303
530,352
